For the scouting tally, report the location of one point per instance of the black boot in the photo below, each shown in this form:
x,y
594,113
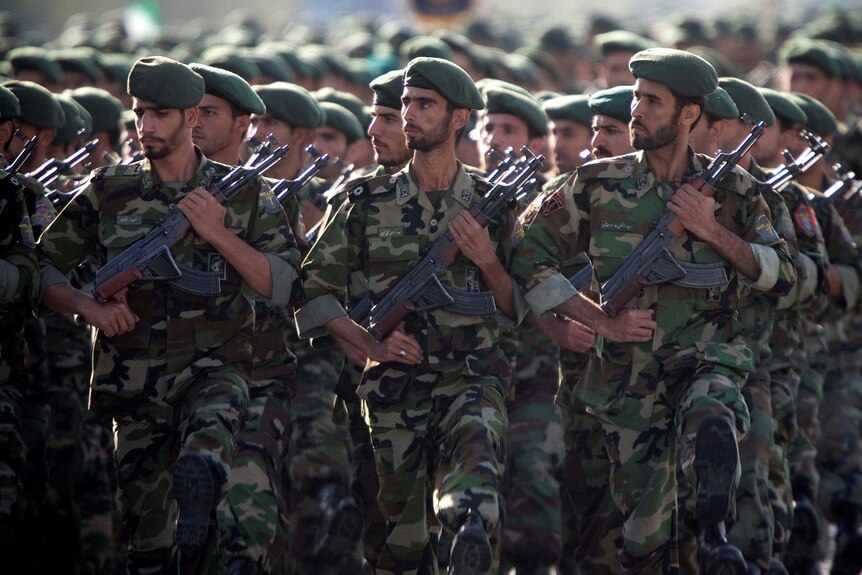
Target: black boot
x,y
196,487
340,523
715,461
471,549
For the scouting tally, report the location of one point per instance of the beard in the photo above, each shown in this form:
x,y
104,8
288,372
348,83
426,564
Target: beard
x,y
662,136
430,140
158,148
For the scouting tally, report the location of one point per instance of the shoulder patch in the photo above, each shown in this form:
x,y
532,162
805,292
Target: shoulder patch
x,y
805,220
554,203
765,230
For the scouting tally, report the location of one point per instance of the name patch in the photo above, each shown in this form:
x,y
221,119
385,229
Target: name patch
x,y
129,220
390,232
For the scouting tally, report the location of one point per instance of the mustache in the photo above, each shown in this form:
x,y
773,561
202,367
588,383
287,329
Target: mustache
x,y
602,152
636,123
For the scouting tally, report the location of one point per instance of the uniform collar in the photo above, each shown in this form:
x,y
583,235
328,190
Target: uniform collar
x,y
203,176
461,189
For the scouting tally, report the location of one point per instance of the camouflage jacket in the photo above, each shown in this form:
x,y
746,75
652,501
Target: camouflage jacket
x,y
605,210
382,232
179,335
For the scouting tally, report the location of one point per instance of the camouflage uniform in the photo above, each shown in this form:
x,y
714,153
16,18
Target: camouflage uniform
x,y
17,244
436,427
178,381
650,397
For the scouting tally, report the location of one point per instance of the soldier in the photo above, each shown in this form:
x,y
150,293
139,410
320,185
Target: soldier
x,y
338,136
510,120
33,64
106,112
672,397
436,410
20,283
43,118
615,49
387,137
171,367
252,515
592,523
570,130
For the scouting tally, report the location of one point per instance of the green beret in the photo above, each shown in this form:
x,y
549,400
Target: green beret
x,y
340,118
117,66
683,72
783,106
486,84
39,107
291,103
499,100
427,46
621,41
74,124
720,105
387,89
33,58
75,61
575,107
165,82
748,100
810,52
557,39
723,66
228,59
614,102
10,108
543,96
273,66
354,105
105,110
447,79
820,120
228,86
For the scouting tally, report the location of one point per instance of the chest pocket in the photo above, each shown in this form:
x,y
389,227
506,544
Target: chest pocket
x,y
608,250
390,258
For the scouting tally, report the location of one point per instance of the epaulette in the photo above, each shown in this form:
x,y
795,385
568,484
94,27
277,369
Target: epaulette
x,y
376,185
132,170
556,182
619,167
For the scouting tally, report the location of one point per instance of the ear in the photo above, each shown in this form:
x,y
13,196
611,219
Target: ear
x,y
46,136
242,122
460,117
689,114
190,116
6,131
536,145
717,129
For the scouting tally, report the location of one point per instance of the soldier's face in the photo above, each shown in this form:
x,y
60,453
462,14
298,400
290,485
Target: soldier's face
x,y
216,126
809,80
655,117
263,126
569,138
615,69
160,130
610,137
427,119
499,132
333,142
387,137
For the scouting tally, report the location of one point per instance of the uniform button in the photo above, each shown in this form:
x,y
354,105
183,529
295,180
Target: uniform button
x,y
433,222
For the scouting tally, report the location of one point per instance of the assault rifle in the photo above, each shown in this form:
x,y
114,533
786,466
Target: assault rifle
x,y
793,167
845,186
285,188
24,154
420,289
149,258
52,169
651,263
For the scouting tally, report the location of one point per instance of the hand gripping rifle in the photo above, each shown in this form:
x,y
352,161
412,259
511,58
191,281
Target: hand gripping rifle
x,y
420,289
150,259
651,263
47,173
285,188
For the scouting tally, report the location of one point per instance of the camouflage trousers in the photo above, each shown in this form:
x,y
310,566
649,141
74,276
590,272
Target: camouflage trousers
x,y
454,462
319,449
252,514
839,456
784,387
592,524
532,525
644,462
205,420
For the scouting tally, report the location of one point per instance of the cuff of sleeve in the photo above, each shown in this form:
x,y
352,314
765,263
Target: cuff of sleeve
x,y
520,305
550,293
283,275
9,278
48,276
311,317
849,285
769,264
806,283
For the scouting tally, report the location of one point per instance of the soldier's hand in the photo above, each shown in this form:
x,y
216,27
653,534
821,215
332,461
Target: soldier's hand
x,y
567,333
113,317
204,212
630,325
354,354
399,347
696,212
472,239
